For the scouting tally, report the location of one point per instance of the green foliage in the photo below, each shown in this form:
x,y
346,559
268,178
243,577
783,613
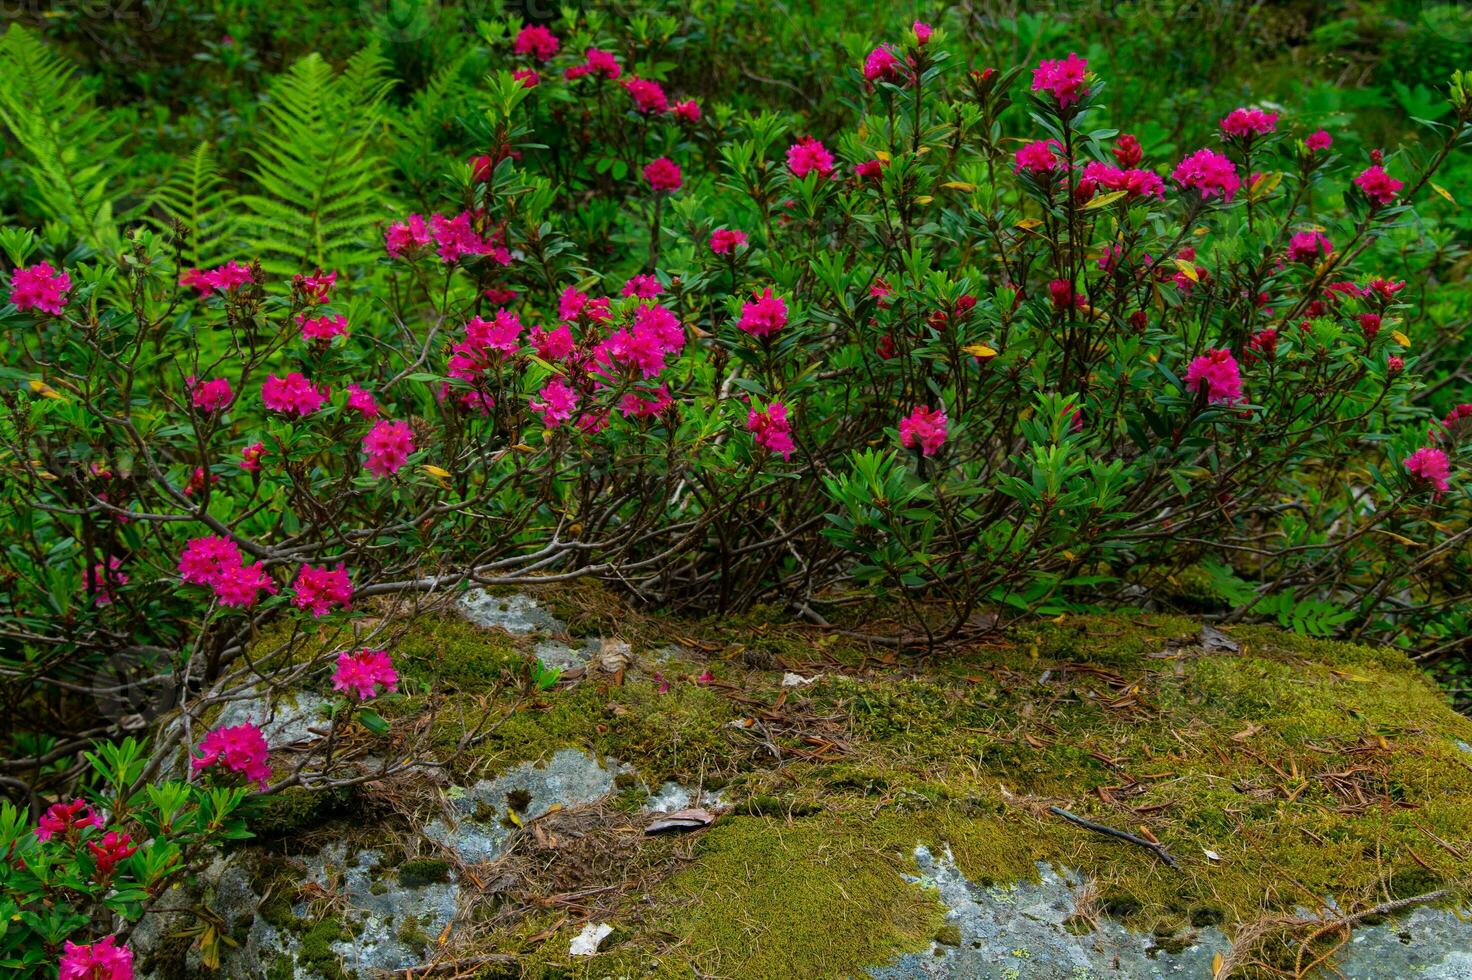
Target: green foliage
x,y
317,165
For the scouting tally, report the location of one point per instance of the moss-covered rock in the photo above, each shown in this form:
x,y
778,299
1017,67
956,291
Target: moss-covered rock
x,y
1283,775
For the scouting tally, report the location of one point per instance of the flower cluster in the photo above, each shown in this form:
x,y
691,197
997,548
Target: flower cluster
x,y
217,562
772,430
40,287
924,429
323,589
364,672
387,446
240,749
223,279
102,960
1216,373
292,395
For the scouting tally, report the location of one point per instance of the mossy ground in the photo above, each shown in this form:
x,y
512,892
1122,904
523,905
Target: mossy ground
x,y
1314,771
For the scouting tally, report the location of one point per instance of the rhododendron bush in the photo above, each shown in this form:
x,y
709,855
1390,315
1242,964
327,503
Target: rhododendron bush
x,y
979,349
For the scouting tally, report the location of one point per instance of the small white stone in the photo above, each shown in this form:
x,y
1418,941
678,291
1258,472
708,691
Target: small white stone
x,y
586,943
790,679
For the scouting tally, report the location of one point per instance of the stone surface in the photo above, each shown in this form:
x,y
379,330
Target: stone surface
x,y
476,832
519,615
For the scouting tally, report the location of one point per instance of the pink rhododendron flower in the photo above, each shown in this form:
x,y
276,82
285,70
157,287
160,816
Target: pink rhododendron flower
x,y
924,429
527,77
39,287
642,285
63,819
406,236
648,96
663,174
362,673
323,328
555,402
1064,80
1318,140
1127,151
807,156
1430,465
250,457
314,288
1246,123
764,316
882,65
387,446
292,395
112,850
869,169
597,63
922,32
102,960
241,748
214,395
198,480
456,237
1378,185
361,400
553,345
1037,158
1308,246
204,560
1135,183
536,41
1395,365
322,589
1065,296
222,279
101,578
772,430
1209,173
217,563
1217,374
688,110
724,241
646,402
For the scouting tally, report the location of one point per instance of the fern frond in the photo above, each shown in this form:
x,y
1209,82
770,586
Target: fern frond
x,y
318,166
417,131
194,195
69,155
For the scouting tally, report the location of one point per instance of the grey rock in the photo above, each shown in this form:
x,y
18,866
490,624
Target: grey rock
x,y
283,718
569,778
672,797
555,653
1017,932
518,614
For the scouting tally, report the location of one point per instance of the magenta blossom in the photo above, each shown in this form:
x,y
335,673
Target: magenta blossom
x,y
361,400
63,819
222,279
1064,80
214,395
536,41
1430,465
241,749
40,287
292,395
362,673
765,316
1308,246
1217,374
724,241
1246,123
112,850
555,402
408,236
663,174
924,429
102,960
323,328
807,156
1038,158
323,589
772,430
1317,141
1378,185
1209,173
387,446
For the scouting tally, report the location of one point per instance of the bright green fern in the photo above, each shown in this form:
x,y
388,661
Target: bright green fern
x,y
70,155
322,180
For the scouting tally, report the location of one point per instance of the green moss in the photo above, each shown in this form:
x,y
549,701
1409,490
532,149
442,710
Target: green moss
x,y
1314,770
294,810
411,933
769,899
316,953
449,652
423,871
